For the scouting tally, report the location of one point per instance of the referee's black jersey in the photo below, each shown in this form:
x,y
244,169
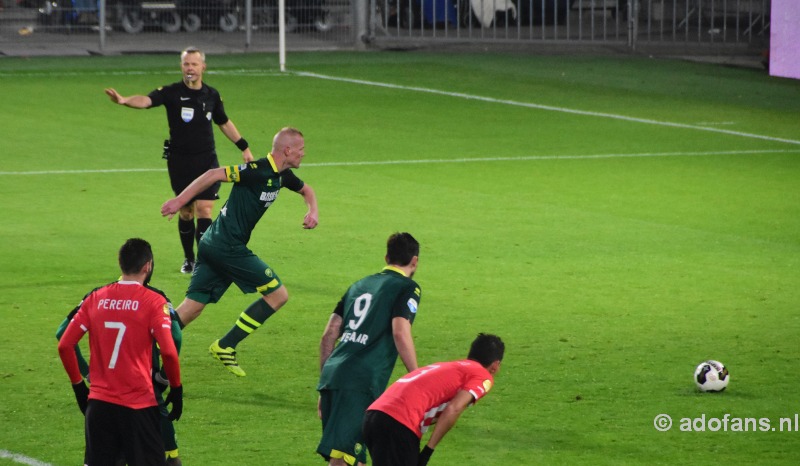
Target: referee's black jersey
x,y
189,114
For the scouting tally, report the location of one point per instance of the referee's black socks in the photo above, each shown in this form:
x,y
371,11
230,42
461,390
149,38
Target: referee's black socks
x,y
187,232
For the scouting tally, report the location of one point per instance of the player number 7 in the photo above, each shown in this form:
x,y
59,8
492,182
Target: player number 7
x,y
120,333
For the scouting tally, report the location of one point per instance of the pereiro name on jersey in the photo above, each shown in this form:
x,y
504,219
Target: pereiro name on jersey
x,y
118,304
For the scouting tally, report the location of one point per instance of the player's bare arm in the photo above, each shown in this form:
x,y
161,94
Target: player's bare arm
x,y
329,337
311,219
401,331
230,131
450,416
203,182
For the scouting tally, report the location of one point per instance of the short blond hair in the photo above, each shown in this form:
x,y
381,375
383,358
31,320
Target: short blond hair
x,y
283,137
189,50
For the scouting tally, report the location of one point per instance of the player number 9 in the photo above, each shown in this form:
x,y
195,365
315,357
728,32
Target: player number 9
x,y
360,309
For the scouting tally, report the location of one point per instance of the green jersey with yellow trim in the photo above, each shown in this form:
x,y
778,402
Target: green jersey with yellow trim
x,y
366,354
255,187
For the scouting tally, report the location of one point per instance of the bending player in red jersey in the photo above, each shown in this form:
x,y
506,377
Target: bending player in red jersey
x,y
435,394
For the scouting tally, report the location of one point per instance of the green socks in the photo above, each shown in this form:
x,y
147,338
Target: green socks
x,y
249,320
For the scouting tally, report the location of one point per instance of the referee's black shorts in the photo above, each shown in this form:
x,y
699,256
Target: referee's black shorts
x,y
183,169
114,431
389,442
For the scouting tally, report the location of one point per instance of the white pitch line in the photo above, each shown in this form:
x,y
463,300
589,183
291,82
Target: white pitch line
x,y
22,459
439,161
71,172
547,157
246,72
547,107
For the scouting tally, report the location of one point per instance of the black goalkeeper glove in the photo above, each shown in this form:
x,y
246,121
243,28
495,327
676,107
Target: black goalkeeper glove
x,y
81,394
424,456
176,398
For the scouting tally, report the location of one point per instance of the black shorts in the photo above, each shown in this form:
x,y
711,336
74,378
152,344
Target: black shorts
x,y
183,169
114,431
389,442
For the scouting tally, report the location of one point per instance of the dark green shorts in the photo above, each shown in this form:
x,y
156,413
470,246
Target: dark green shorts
x,y
217,267
342,415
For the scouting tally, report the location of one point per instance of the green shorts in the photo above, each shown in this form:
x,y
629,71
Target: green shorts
x,y
217,267
342,415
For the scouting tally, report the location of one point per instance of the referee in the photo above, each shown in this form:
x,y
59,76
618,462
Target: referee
x,y
191,106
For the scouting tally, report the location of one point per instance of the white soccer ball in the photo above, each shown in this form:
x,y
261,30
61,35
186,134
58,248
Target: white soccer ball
x,y
711,376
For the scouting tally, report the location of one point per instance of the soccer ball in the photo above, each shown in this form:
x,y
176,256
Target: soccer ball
x,y
711,376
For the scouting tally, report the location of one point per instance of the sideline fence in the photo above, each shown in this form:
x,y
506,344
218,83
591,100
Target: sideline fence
x,y
242,25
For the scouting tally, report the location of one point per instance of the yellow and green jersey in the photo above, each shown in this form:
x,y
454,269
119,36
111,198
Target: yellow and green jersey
x,y
366,353
255,187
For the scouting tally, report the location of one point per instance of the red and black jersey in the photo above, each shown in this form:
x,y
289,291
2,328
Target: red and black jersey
x,y
122,319
417,399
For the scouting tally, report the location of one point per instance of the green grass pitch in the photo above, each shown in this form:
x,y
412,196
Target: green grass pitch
x,y
615,220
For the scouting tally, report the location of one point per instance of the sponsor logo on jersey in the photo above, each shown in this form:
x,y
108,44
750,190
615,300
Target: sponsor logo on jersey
x,y
167,308
268,197
208,115
412,305
187,114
